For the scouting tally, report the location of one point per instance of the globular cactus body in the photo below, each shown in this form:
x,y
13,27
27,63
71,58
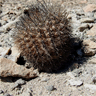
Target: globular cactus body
x,y
43,36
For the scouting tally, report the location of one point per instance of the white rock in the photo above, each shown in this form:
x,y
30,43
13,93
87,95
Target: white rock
x,y
44,79
75,83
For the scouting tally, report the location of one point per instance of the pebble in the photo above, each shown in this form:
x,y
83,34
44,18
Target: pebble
x,y
18,83
50,88
75,82
87,20
94,79
44,79
83,27
1,91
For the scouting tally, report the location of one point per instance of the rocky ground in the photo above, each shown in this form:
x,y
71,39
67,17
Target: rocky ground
x,y
77,80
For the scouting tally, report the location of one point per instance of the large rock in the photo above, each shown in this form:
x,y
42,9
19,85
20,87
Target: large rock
x,y
92,31
89,47
89,8
10,68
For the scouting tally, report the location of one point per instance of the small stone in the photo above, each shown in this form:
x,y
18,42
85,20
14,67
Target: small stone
x,y
89,47
83,27
92,31
18,83
90,86
75,83
8,29
1,91
87,20
94,79
89,8
44,79
50,88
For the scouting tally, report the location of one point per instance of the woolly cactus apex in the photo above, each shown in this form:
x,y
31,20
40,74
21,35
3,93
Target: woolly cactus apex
x,y
43,36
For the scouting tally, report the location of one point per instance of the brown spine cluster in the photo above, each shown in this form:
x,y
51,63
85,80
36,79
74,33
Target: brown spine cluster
x,y
43,36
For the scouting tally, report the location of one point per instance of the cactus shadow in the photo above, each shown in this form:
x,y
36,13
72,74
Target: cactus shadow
x,y
75,64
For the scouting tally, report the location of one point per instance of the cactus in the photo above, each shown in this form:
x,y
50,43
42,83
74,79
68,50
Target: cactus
x,y
43,36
